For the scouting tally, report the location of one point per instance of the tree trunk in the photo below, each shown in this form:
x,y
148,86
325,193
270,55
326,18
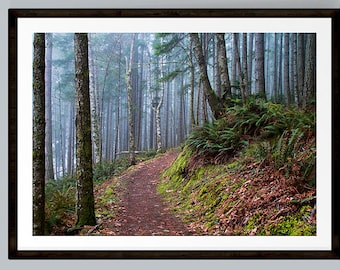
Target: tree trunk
x,y
214,102
310,68
295,72
279,88
70,155
95,117
157,109
223,68
250,61
192,87
84,176
238,64
245,65
274,84
118,102
39,135
259,65
132,154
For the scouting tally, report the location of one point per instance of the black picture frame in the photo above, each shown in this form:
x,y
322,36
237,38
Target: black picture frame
x,y
15,14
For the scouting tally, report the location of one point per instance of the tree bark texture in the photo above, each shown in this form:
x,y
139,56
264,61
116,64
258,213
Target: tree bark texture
x,y
222,64
84,175
310,68
39,134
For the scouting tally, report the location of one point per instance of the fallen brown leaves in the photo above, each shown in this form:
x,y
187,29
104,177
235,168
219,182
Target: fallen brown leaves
x,y
264,194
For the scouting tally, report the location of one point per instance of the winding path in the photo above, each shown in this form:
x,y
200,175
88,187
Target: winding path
x,y
142,210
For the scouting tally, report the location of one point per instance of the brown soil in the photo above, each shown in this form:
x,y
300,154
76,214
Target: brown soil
x,y
141,209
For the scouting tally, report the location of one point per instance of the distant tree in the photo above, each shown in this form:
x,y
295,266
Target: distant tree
x,y
301,65
39,134
286,69
245,64
250,60
238,65
95,113
294,72
48,107
84,176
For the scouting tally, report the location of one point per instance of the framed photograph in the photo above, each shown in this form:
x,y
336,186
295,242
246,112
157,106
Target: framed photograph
x,y
173,134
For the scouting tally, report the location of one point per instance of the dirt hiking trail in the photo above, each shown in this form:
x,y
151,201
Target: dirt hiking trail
x,y
142,210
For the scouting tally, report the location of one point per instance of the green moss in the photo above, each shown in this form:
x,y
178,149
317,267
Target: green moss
x,y
109,192
292,226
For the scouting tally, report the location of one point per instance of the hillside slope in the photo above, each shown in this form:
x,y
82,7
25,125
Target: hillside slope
x,y
250,173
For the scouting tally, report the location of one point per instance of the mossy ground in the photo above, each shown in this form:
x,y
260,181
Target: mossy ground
x,y
245,196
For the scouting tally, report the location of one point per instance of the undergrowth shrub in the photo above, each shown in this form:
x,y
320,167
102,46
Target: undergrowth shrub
x,y
285,128
60,201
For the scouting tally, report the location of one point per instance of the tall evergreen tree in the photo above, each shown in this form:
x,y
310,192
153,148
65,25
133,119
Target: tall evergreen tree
x,y
39,134
84,174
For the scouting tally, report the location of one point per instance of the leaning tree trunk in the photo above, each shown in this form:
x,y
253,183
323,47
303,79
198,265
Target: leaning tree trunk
x,y
84,175
216,104
39,135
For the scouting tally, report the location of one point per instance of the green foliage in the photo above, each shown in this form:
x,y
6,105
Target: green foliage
x,y
60,201
256,120
107,169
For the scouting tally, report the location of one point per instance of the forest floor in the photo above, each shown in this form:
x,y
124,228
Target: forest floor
x,y
132,204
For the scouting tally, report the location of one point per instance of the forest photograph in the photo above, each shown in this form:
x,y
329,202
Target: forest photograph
x,y
174,134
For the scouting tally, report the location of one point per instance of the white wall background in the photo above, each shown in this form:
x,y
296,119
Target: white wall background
x,y
129,264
